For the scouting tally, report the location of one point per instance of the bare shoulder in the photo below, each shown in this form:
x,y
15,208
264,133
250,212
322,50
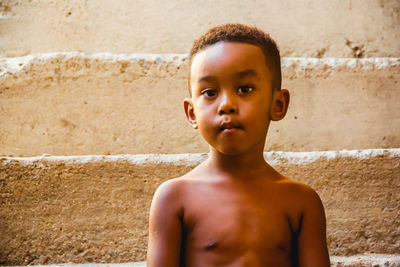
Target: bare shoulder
x,y
165,224
173,191
170,191
310,223
300,193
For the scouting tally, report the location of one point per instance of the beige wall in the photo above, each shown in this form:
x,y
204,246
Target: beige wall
x,y
83,209
78,104
302,28
95,209
54,100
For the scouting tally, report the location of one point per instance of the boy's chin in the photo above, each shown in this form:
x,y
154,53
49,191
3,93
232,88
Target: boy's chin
x,y
237,148
229,151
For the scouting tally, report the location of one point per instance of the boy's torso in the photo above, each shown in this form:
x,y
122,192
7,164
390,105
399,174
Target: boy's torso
x,y
236,223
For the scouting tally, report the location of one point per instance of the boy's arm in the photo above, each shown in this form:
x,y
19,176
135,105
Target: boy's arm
x,y
312,247
165,229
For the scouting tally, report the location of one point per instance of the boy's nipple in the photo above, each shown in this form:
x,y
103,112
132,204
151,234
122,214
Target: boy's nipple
x,y
212,244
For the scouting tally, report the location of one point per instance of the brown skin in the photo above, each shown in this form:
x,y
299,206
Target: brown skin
x,y
234,209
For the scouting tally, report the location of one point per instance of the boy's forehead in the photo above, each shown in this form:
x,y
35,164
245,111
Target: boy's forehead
x,y
236,56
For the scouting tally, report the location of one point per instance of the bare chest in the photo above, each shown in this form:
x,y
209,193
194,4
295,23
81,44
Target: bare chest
x,y
230,229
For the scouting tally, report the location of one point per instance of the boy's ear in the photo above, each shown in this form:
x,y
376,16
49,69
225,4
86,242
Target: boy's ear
x,y
189,111
280,104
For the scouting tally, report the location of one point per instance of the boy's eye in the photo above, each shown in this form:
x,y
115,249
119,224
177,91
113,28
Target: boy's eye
x,y
245,89
209,93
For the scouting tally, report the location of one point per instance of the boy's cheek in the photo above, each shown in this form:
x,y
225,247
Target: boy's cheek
x,y
202,107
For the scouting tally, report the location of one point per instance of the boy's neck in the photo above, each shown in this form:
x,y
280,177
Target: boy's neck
x,y
238,166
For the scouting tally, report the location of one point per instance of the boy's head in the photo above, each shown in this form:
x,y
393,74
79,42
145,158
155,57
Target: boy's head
x,y
235,82
242,34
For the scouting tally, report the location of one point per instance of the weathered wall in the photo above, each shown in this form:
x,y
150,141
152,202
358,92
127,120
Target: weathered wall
x,y
348,28
94,209
83,209
77,104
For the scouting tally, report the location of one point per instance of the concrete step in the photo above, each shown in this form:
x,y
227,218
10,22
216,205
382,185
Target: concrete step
x,y
366,28
86,209
351,261
127,264
77,104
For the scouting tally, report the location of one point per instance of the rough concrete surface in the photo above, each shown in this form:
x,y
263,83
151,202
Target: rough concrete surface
x,y
352,261
95,209
366,260
348,28
127,264
77,104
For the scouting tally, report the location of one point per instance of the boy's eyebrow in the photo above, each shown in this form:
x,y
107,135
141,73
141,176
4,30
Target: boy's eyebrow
x,y
239,75
245,73
207,78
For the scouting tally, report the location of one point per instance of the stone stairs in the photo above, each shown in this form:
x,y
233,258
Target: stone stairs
x,y
95,208
353,261
77,104
86,137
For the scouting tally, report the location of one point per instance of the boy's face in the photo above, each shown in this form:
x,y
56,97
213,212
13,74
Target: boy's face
x,y
232,98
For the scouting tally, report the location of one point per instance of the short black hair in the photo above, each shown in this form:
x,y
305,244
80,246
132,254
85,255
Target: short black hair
x,y
242,34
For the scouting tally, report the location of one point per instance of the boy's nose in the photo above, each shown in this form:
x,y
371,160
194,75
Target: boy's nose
x,y
227,105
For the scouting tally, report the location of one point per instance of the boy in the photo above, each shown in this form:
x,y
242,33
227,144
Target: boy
x,y
234,209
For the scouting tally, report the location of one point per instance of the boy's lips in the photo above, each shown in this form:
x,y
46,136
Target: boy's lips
x,y
229,127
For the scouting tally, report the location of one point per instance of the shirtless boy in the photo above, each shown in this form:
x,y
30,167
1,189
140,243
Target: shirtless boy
x,y
234,209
